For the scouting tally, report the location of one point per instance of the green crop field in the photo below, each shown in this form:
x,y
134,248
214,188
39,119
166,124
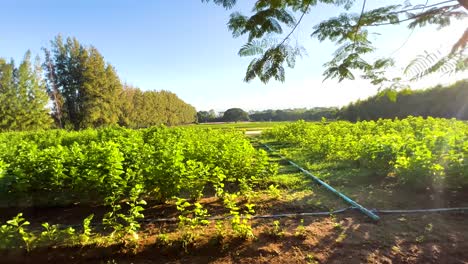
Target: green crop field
x,y
373,160
417,152
228,131
114,166
101,187
44,168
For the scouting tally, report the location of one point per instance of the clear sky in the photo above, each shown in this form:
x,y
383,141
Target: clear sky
x,y
184,47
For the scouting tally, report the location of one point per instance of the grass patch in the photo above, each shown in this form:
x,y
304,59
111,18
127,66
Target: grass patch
x,y
249,126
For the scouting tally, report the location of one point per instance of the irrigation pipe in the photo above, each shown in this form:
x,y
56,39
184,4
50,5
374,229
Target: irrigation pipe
x,y
361,208
328,213
214,218
414,211
295,215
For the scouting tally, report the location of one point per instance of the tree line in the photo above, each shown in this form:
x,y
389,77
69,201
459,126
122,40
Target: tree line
x,y
313,114
75,88
237,114
148,108
445,102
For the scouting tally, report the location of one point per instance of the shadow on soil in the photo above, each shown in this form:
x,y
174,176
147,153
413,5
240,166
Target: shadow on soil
x,y
350,238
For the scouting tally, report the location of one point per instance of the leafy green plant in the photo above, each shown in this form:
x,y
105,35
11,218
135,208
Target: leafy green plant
x,y
53,235
274,192
111,218
125,225
163,240
220,230
97,166
15,234
190,218
134,212
300,229
240,220
86,235
276,230
310,258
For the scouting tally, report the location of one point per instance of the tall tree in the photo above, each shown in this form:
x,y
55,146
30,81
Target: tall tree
x,y
127,106
85,88
203,116
100,91
8,95
69,59
38,100
53,89
24,98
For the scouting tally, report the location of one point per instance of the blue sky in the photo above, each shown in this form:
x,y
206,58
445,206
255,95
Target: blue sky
x,y
185,47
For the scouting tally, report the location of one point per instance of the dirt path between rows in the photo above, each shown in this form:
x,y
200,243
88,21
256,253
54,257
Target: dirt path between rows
x,y
351,238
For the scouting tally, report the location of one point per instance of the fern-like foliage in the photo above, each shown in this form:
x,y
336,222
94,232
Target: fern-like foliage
x,y
270,64
441,16
435,62
270,17
257,47
349,31
261,23
228,4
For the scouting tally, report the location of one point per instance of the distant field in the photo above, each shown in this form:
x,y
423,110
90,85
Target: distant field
x,y
241,125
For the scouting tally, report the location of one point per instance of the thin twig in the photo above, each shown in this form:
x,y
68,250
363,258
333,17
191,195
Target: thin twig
x,y
422,7
412,30
411,18
295,26
358,25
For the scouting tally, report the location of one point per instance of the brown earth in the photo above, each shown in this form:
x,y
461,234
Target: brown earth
x,y
348,237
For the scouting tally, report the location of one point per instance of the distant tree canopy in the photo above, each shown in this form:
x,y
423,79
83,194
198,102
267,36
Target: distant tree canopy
x,y
446,102
206,116
273,49
313,114
235,115
148,108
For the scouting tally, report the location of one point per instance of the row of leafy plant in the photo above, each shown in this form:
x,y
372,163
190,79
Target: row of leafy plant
x,y
107,165
123,227
418,152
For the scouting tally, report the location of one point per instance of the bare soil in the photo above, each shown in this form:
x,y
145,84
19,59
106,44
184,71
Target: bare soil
x,y
348,237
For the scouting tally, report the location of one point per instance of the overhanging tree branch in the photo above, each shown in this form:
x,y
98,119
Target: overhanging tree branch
x,y
347,30
358,25
296,25
422,7
422,14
